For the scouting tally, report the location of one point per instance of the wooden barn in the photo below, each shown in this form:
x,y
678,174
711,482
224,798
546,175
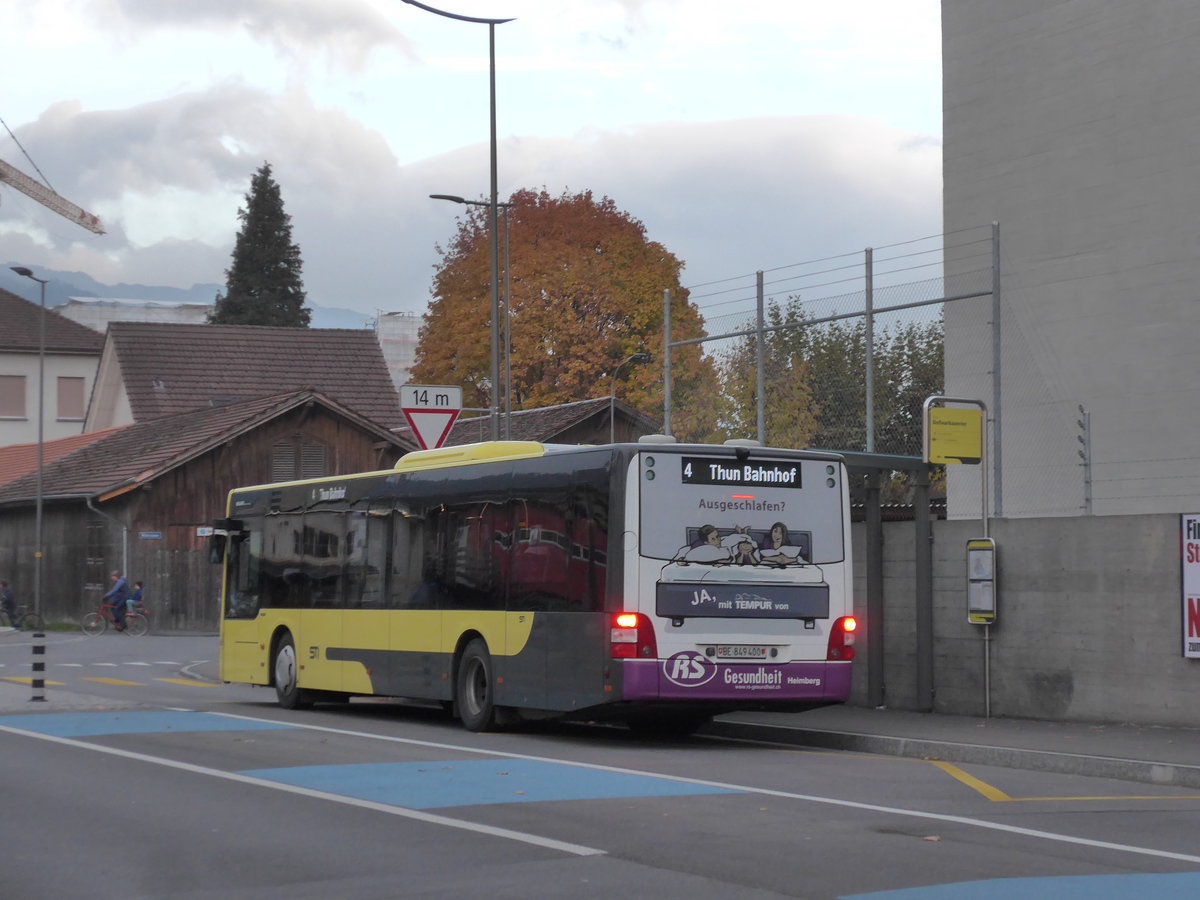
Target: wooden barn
x,y
140,497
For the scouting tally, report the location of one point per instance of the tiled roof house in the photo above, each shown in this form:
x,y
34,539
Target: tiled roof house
x,y
140,496
19,459
127,457
71,352
153,369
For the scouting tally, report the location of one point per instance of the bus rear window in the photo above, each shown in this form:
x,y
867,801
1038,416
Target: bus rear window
x,y
768,511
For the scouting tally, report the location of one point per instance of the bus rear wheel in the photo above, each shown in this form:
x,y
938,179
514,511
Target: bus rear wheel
x,y
286,670
475,699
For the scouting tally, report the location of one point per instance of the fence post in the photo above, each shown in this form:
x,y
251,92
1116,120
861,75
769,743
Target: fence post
x,y
998,472
869,266
876,683
760,341
667,361
923,590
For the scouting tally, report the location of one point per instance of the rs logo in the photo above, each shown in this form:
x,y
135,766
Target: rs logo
x,y
689,669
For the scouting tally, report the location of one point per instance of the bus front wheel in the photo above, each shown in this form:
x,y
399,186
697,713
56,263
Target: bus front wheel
x,y
475,699
286,670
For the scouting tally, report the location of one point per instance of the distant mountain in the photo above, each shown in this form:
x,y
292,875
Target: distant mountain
x,y
62,286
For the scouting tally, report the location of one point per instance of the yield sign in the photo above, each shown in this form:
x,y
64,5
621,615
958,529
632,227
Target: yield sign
x,y
430,425
430,410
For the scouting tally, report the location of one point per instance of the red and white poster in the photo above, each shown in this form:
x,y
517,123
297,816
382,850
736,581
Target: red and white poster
x,y
1189,555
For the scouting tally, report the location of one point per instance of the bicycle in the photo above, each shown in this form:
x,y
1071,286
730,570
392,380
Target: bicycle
x,y
137,622
24,619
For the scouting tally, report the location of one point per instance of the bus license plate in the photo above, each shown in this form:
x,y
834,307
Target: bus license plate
x,y
741,651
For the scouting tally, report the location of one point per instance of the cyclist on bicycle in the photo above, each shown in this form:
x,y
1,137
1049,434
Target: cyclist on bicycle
x,y
8,602
117,595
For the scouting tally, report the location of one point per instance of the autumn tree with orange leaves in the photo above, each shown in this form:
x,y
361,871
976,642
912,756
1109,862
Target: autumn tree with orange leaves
x,y
587,293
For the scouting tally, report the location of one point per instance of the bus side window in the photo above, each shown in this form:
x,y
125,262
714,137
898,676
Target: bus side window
x,y
324,556
367,564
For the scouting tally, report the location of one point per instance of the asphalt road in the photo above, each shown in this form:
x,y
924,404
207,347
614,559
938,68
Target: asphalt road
x,y
139,779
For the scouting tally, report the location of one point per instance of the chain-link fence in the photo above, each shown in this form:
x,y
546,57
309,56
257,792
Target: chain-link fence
x,y
840,353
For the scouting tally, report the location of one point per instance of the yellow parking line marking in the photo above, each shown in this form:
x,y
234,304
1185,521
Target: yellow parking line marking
x,y
23,680
972,782
188,682
1114,797
112,681
999,796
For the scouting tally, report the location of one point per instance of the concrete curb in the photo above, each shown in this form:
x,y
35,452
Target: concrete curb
x,y
983,754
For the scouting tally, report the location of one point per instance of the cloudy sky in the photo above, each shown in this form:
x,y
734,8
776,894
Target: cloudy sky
x,y
745,136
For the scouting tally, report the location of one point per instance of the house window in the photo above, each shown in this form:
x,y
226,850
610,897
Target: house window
x,y
70,398
298,458
12,396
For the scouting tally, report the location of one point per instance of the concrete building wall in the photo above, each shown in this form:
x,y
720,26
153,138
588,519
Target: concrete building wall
x,y
1076,126
1089,622
398,333
97,313
57,423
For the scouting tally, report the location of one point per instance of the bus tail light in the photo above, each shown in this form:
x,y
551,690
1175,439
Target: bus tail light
x,y
632,637
841,639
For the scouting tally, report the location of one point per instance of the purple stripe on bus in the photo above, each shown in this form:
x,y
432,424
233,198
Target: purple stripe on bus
x,y
690,678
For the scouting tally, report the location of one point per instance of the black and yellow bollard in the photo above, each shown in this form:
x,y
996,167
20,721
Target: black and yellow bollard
x,y
39,668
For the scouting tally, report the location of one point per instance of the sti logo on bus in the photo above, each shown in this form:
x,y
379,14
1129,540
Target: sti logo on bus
x,y
319,495
689,669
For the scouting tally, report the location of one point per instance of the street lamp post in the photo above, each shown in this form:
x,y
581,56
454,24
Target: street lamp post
x,y
37,528
612,393
491,24
454,198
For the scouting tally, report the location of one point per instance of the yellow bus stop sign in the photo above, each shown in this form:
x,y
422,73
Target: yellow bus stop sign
x,y
955,436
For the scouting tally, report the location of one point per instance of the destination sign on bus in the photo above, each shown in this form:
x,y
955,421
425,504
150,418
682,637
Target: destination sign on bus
x,y
740,473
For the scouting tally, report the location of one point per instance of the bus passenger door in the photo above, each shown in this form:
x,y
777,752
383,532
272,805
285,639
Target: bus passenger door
x,y
532,564
323,572
242,658
366,626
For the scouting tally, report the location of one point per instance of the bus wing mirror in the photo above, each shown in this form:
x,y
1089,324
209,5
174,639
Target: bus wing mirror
x,y
223,529
216,548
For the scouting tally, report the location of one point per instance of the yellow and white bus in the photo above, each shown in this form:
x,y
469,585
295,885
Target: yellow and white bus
x,y
656,583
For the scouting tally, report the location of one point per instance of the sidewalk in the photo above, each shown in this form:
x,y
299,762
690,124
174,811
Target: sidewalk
x,y
1150,754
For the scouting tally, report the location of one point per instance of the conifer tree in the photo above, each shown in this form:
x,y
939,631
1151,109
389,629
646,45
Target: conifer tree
x,y
263,285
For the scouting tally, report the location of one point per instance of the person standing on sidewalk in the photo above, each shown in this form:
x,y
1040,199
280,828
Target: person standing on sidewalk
x,y
8,602
117,595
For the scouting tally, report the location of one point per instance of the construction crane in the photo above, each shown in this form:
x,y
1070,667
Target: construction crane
x,y
48,198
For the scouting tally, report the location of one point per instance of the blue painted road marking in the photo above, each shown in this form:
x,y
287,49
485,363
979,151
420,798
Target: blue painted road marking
x,y
131,722
1074,887
435,785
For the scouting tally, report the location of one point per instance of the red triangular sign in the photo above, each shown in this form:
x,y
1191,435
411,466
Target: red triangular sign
x,y
430,425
